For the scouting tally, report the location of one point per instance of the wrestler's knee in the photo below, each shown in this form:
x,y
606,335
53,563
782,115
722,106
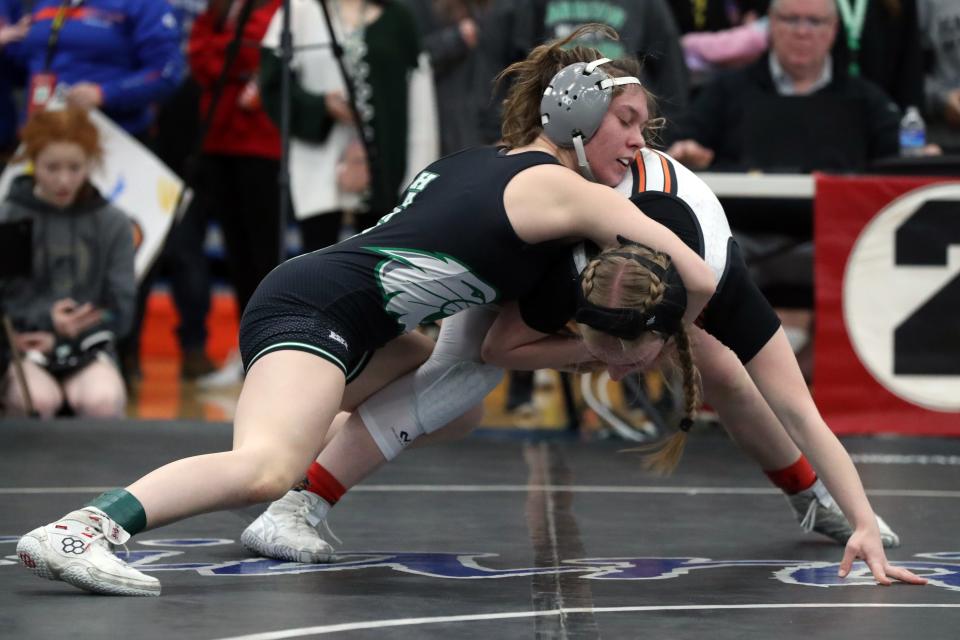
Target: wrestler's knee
x,y
268,485
271,474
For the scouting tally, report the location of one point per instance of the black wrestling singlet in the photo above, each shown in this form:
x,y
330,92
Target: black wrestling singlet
x,y
449,245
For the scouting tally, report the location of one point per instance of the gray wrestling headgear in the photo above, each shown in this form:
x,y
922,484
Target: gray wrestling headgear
x,y
574,103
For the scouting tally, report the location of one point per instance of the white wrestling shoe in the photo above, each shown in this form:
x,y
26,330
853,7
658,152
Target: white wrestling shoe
x,y
816,511
77,550
287,530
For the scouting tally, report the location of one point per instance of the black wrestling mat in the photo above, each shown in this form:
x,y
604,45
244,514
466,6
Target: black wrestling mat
x,y
495,539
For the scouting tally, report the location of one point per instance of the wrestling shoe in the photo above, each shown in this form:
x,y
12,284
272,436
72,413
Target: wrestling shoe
x,y
816,511
77,550
287,530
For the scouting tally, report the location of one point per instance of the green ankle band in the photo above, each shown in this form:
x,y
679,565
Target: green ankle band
x,y
122,508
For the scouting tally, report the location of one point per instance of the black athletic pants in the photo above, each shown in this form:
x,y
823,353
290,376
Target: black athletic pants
x,y
242,194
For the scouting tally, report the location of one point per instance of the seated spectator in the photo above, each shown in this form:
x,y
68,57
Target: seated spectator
x,y
880,41
940,24
746,119
80,296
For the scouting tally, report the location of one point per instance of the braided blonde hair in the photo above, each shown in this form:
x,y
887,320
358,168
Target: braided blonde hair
x,y
617,281
614,280
662,458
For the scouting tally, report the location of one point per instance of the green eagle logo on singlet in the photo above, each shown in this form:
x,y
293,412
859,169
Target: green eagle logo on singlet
x,y
421,286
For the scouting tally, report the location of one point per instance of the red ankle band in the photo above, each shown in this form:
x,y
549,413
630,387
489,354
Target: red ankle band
x,y
321,482
795,478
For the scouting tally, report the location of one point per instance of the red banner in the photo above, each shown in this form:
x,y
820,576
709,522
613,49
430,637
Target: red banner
x,y
887,351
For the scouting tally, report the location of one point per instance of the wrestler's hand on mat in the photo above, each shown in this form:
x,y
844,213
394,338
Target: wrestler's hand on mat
x,y
865,543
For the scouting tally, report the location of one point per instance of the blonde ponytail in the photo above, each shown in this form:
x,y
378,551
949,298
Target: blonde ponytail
x,y
662,458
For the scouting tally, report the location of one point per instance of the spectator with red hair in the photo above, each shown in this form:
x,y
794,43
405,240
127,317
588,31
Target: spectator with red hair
x,y
79,298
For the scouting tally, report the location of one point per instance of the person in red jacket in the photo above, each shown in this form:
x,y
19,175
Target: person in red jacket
x,y
241,151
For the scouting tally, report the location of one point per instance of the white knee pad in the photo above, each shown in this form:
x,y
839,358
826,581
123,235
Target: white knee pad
x,y
390,416
443,388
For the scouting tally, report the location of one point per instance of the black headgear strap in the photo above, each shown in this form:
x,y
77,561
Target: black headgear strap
x,y
629,324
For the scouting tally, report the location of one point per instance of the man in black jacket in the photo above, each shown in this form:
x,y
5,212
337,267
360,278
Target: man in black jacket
x,y
792,110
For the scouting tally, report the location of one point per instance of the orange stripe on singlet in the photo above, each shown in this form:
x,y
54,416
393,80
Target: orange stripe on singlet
x,y
666,174
641,185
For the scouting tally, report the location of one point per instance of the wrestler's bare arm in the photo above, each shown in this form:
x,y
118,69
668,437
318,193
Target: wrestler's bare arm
x,y
511,344
549,202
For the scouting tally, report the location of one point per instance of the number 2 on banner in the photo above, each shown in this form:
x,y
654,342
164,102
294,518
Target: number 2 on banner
x,y
901,297
928,341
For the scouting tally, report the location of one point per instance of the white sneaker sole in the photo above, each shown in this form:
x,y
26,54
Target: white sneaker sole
x,y
32,557
251,541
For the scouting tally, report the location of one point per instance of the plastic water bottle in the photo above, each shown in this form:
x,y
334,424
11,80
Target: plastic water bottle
x,y
913,133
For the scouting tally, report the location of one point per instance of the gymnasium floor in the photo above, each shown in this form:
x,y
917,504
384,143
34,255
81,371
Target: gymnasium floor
x,y
495,537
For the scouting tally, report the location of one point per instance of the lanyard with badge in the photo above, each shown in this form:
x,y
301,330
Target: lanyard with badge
x,y
44,83
853,20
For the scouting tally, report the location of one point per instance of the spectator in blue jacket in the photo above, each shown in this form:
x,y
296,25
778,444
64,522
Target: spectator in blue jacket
x,y
121,56
13,27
